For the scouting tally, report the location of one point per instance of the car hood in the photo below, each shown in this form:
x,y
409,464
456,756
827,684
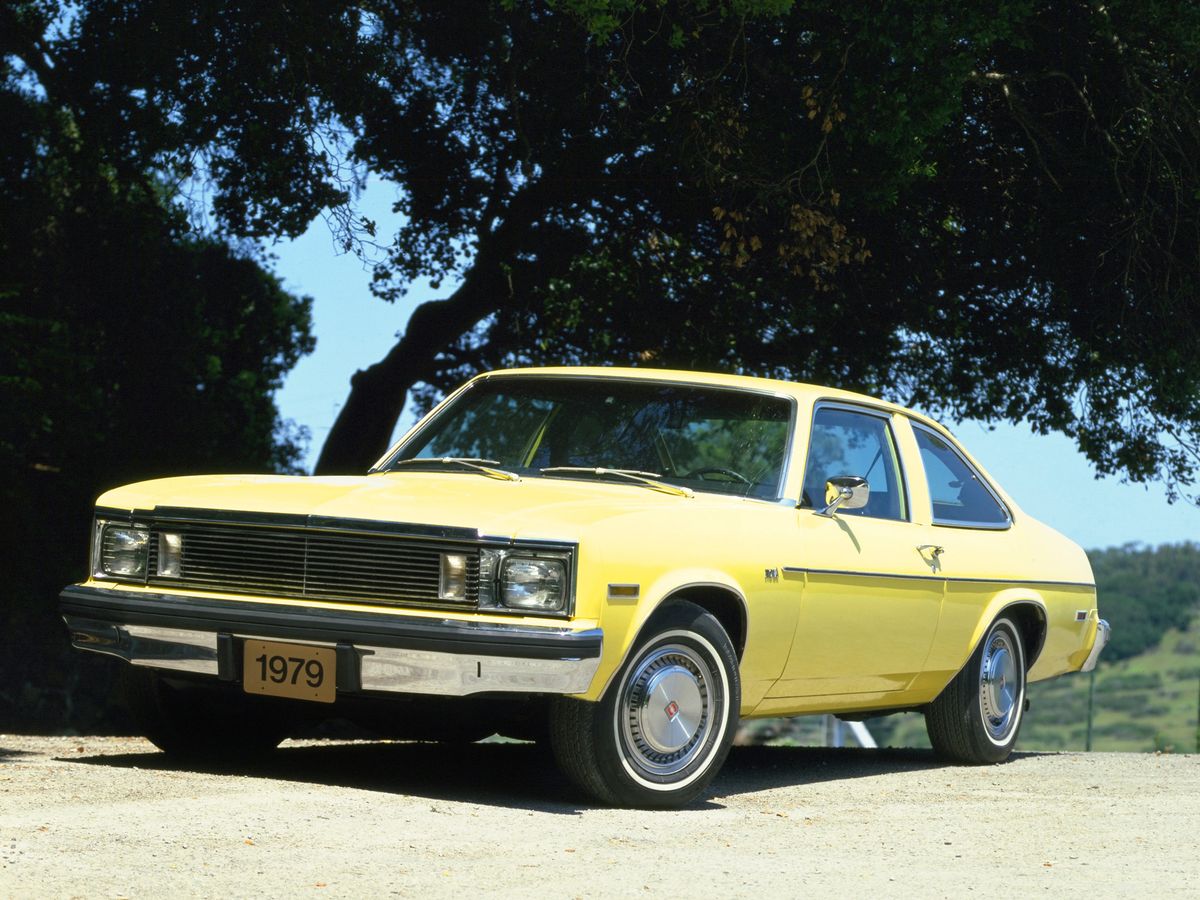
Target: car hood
x,y
532,508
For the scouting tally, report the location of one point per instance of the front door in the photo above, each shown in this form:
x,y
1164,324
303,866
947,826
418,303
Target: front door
x,y
871,592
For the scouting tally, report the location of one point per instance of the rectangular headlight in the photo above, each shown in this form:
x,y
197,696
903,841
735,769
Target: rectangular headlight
x,y
537,583
123,551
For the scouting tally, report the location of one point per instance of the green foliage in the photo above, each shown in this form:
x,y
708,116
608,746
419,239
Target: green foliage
x,y
129,348
976,153
1144,592
1142,702
603,18
987,209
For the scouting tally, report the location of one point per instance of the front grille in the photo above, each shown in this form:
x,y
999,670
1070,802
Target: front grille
x,y
314,564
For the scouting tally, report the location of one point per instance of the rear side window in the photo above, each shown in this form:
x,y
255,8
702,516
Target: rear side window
x,y
959,494
847,442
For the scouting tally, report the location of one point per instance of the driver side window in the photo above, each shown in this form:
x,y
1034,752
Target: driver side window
x,y
846,442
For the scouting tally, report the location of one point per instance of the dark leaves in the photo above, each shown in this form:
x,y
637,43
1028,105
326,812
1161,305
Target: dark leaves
x,y
990,211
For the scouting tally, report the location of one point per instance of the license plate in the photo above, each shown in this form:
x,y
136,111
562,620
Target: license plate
x,y
289,670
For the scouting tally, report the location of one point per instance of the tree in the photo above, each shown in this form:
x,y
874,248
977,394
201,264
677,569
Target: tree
x,y
1144,592
129,348
989,210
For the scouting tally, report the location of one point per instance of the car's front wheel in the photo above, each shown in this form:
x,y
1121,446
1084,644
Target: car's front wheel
x,y
201,723
977,717
665,724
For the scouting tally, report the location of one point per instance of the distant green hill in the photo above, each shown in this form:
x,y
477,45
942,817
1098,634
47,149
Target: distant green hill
x,y
1145,702
1144,592
1147,686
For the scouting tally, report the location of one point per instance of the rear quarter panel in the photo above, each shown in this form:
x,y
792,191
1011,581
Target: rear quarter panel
x,y
990,571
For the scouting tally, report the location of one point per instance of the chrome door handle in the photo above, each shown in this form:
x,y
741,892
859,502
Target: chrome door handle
x,y
934,550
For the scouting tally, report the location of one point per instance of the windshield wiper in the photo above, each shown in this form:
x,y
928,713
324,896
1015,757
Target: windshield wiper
x,y
650,479
469,462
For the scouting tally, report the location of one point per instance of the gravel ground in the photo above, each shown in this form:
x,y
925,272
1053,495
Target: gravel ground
x,y
110,817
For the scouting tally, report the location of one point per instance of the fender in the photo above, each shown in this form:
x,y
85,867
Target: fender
x,y
656,594
1002,602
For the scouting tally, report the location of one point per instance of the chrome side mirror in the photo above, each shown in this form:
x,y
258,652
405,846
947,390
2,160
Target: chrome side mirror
x,y
845,492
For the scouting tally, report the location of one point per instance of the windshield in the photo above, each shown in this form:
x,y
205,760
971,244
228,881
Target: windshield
x,y
706,439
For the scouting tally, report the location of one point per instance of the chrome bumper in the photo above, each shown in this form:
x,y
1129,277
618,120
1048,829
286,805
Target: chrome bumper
x,y
375,652
1103,632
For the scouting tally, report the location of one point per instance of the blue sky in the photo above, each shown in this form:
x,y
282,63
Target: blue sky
x,y
1046,475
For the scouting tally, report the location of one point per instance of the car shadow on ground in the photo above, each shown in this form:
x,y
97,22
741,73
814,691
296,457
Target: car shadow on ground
x,y
762,768
511,775
518,775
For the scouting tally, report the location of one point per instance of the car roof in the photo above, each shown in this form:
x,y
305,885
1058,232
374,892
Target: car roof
x,y
799,390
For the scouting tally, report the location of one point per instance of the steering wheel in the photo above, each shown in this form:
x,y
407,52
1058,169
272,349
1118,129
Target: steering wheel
x,y
718,470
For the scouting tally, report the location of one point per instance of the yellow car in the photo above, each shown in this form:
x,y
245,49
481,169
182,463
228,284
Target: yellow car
x,y
623,562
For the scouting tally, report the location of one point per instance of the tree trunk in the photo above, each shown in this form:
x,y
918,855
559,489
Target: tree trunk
x,y
364,427
361,432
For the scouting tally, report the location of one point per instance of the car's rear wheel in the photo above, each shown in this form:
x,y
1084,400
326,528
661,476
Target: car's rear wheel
x,y
665,724
199,722
977,717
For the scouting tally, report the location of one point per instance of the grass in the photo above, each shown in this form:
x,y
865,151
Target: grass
x,y
1144,703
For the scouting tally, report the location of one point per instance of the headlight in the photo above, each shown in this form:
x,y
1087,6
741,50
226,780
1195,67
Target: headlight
x,y
533,583
536,581
122,551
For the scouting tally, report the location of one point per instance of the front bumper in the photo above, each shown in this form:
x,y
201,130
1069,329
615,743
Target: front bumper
x,y
375,652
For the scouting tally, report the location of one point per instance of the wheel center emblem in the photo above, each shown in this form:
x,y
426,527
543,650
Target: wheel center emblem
x,y
672,710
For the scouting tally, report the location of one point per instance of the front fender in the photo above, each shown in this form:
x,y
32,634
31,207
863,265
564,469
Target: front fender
x,y
768,614
623,619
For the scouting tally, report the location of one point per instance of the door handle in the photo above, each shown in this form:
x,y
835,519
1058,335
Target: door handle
x,y
934,550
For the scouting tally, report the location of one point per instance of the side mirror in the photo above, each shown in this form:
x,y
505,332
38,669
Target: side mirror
x,y
845,492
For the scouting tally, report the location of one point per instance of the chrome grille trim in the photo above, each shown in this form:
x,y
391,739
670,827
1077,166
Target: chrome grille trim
x,y
312,563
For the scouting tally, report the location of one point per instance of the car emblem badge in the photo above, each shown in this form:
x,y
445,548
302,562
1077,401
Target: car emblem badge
x,y
672,710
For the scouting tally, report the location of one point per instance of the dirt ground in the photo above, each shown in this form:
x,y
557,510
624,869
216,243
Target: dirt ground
x,y
111,817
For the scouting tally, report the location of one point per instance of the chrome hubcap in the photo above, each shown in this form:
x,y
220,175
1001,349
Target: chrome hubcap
x,y
1000,686
665,709
671,708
